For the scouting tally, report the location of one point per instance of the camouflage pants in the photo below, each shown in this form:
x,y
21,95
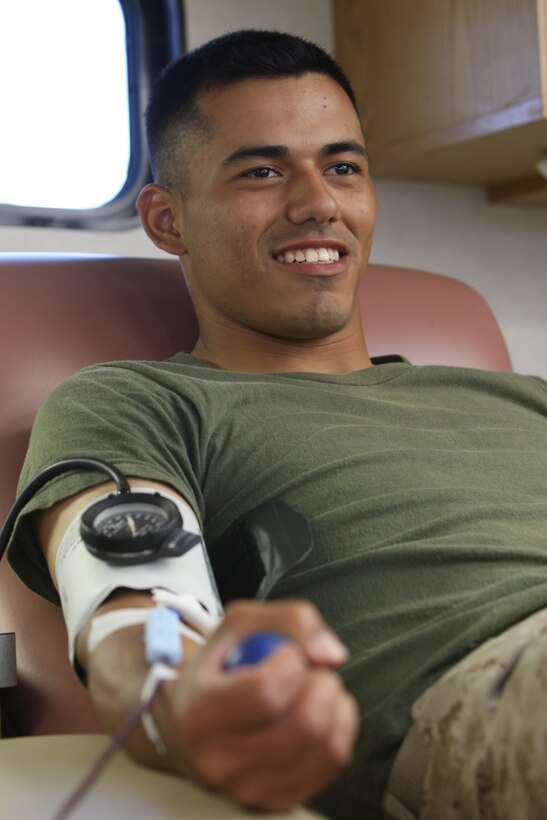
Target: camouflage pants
x,y
478,746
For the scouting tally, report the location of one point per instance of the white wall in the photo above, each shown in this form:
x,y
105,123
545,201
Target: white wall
x,y
311,19
500,250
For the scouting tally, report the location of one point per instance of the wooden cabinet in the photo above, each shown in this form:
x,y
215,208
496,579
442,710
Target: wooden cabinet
x,y
451,90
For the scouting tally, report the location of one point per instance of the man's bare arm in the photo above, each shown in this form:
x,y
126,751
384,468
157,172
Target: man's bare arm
x,y
268,736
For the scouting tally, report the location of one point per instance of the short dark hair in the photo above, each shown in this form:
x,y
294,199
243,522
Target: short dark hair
x,y
221,62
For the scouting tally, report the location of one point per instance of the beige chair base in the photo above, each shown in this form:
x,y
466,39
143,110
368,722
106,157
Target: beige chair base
x,y
38,773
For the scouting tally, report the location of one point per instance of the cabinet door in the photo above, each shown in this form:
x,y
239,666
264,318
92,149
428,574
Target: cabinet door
x,y
448,89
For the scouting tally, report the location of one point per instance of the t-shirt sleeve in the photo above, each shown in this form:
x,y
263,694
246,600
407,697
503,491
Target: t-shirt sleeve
x,y
116,413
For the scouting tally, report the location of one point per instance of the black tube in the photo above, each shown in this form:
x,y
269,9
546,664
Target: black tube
x,y
53,471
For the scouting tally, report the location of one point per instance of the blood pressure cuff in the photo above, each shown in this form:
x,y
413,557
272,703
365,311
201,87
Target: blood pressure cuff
x,y
86,581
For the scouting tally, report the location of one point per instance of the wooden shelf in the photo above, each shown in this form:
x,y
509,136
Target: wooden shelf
x,y
453,92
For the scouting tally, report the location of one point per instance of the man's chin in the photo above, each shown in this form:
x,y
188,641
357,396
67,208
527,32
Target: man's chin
x,y
310,328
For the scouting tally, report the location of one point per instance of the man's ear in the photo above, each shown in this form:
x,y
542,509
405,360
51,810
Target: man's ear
x,y
160,216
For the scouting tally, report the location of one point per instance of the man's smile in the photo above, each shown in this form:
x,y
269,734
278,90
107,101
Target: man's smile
x,y
315,255
307,252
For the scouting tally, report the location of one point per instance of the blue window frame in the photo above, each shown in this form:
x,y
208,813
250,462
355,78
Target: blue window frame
x,y
73,93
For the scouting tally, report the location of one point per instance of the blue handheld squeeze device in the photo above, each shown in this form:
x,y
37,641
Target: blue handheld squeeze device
x,y
254,649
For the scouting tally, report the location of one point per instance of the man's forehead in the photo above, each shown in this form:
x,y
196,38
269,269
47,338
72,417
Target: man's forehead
x,y
259,93
280,111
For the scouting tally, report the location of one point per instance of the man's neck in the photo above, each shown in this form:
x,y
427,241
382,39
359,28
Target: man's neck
x,y
249,352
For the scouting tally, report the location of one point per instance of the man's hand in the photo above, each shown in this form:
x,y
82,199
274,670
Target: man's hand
x,y
268,736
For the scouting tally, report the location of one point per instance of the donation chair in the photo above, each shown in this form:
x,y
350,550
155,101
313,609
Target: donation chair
x,y
61,312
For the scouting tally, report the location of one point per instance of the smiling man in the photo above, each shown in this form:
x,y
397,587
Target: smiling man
x,y
282,184
425,487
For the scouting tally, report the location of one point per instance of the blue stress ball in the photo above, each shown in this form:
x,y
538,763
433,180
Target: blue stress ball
x,y
254,649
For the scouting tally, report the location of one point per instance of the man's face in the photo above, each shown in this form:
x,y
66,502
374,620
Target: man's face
x,y
279,209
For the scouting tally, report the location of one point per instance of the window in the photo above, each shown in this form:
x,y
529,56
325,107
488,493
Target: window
x,y
75,80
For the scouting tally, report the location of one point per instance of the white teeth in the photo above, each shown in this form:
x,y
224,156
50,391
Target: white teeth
x,y
310,255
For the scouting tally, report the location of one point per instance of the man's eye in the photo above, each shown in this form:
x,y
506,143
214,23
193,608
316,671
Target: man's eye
x,y
260,173
343,169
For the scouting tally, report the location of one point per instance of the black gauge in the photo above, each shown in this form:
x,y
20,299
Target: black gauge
x,y
131,520
133,528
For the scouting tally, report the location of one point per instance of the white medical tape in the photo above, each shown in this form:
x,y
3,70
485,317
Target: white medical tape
x,y
157,673
191,634
190,608
109,622
86,581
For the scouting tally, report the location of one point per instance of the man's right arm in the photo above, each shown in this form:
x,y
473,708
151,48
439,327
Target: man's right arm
x,y
268,736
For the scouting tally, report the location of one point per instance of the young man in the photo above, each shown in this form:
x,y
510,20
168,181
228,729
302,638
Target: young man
x,y
425,488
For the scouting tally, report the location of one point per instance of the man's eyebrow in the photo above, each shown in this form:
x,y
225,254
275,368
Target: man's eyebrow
x,y
259,151
344,147
282,151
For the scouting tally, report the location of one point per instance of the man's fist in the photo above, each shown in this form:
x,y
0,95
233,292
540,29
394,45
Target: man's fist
x,y
268,735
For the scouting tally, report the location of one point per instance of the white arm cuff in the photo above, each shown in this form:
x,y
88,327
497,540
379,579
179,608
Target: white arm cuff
x,y
85,581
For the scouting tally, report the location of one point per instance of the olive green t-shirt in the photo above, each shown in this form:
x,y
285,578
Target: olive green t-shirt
x,y
425,488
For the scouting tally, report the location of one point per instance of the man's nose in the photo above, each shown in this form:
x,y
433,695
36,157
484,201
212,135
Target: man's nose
x,y
312,199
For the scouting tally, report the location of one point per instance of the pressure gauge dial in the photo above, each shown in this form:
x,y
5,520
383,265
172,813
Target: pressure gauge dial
x,y
134,528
